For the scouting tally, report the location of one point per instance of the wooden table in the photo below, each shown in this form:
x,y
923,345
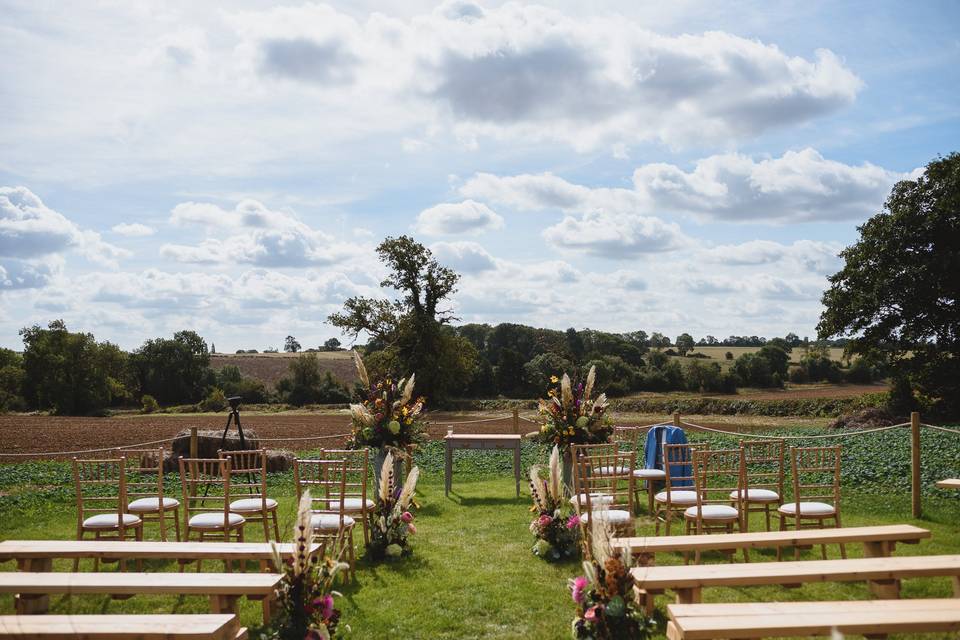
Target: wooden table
x,y
949,483
489,441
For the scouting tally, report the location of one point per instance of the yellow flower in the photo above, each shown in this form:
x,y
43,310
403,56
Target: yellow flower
x,y
409,420
554,379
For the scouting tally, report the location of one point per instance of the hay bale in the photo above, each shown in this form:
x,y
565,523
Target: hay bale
x,y
279,460
209,442
869,418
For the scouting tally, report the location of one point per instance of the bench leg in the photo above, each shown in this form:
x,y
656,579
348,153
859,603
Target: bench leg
x,y
34,604
885,589
224,604
956,586
672,632
688,595
876,549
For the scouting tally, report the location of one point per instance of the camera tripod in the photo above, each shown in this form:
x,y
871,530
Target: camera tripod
x,y
234,416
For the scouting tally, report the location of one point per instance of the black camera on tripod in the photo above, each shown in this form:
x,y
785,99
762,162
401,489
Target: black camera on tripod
x,y
234,402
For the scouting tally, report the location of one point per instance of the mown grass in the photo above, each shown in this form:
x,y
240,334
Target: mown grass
x,y
472,574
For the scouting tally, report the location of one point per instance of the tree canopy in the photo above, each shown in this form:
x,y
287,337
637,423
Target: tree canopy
x,y
898,289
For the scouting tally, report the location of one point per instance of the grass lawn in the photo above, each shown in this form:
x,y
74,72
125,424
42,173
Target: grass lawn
x,y
472,574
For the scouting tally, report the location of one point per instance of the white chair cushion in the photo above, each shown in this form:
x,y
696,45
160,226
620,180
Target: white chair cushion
x,y
329,521
110,521
649,474
351,504
758,495
609,471
613,516
595,498
252,504
149,505
677,497
215,520
808,509
714,512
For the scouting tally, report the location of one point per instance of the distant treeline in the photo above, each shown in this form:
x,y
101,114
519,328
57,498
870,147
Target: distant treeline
x,y
74,374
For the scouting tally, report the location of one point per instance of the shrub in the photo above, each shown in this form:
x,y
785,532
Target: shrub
x,y
614,376
215,401
306,385
149,404
728,355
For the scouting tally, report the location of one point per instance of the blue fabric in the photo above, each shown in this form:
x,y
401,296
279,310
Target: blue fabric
x,y
653,452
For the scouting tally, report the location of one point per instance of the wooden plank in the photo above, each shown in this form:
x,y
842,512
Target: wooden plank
x,y
762,620
759,573
111,627
484,436
131,549
249,584
764,539
949,483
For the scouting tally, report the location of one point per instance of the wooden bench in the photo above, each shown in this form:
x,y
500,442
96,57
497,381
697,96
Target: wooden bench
x,y
877,541
114,627
223,589
882,574
38,555
949,483
872,618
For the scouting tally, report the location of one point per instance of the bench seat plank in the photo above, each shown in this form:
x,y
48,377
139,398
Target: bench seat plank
x,y
949,483
228,584
760,573
116,627
765,539
131,549
775,619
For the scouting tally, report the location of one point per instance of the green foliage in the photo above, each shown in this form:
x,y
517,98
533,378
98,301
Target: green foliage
x,y
708,377
71,373
509,374
290,345
615,377
412,327
307,385
214,402
233,383
685,343
331,345
149,404
174,371
897,292
537,372
12,377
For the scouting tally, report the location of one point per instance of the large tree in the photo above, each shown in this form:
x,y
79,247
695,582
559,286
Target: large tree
x,y
897,293
410,331
174,371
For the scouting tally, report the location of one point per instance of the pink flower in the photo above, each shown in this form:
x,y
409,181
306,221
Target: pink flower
x,y
406,516
591,614
573,522
325,604
577,585
545,520
411,528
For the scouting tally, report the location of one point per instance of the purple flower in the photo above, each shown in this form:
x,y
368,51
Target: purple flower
x,y
545,520
591,614
325,605
577,585
406,516
573,521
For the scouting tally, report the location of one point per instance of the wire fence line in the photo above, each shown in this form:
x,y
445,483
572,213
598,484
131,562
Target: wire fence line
x,y
805,437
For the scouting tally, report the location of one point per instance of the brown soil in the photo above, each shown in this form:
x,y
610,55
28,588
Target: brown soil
x,y
801,391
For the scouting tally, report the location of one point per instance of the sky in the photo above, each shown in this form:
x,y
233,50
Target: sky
x,y
230,167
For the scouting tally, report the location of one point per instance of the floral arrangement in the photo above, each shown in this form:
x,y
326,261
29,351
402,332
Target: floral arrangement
x,y
304,596
391,521
606,609
389,416
554,526
570,416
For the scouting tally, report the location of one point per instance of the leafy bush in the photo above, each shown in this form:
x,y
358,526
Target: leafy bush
x,y
615,377
537,372
728,355
215,401
149,404
306,385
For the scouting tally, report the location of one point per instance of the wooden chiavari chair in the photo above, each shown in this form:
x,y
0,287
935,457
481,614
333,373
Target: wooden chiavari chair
x,y
646,478
816,492
206,501
718,474
578,451
248,488
609,475
101,489
764,460
355,502
679,492
145,489
327,482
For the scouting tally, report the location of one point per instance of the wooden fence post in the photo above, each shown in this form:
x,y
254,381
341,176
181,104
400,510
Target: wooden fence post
x,y
676,418
194,445
915,463
516,420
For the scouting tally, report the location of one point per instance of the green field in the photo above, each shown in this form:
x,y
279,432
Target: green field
x,y
472,574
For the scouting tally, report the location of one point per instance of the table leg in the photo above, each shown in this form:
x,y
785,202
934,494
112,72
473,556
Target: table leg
x,y
34,603
447,469
516,467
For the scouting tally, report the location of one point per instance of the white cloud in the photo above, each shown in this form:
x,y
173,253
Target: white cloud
x,y
463,257
133,230
34,238
616,236
256,235
799,186
467,217
807,255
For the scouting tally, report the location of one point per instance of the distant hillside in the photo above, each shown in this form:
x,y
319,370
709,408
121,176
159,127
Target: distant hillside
x,y
270,367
